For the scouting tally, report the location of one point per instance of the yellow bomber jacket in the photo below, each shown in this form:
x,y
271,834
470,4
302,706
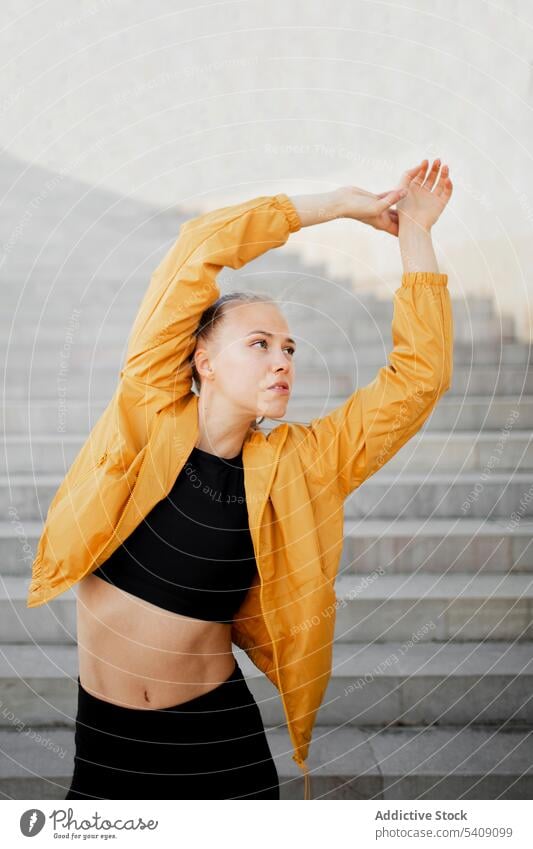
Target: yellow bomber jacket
x,y
297,477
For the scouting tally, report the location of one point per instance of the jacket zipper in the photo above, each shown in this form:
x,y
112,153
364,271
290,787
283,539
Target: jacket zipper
x,y
99,462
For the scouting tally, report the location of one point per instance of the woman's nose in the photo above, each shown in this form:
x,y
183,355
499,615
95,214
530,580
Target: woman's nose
x,y
281,362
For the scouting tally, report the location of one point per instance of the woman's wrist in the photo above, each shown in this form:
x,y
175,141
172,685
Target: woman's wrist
x,y
317,208
416,248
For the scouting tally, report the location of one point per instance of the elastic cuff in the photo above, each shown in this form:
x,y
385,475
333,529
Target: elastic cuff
x,y
427,278
289,209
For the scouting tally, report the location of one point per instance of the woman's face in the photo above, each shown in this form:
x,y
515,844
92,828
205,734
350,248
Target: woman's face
x,y
250,351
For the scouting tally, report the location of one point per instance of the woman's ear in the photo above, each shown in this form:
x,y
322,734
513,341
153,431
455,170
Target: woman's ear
x,y
201,360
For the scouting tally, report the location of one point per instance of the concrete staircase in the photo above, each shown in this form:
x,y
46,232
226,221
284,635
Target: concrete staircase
x,y
430,695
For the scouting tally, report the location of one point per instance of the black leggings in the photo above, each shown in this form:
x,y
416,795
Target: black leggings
x,y
211,747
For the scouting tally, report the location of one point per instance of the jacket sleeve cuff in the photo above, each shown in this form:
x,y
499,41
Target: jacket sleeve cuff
x,y
285,203
427,278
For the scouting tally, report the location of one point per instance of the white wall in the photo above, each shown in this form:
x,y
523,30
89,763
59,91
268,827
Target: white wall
x,y
201,105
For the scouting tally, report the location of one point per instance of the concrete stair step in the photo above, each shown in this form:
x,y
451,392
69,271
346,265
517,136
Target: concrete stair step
x,y
458,606
404,495
398,545
345,763
53,623
473,413
431,452
371,684
434,545
441,496
371,607
37,382
414,683
418,763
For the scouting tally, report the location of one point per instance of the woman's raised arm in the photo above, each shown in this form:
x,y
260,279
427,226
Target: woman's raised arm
x,y
184,284
357,438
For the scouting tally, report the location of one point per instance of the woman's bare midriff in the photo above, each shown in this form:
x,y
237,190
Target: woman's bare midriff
x,y
137,655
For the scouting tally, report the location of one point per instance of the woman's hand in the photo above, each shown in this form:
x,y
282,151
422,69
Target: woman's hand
x,y
375,210
415,201
426,196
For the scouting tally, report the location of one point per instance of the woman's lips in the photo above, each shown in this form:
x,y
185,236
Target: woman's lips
x,y
281,389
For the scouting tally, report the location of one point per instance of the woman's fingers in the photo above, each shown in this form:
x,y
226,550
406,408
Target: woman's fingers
x,y
441,183
432,176
408,176
444,184
390,198
420,176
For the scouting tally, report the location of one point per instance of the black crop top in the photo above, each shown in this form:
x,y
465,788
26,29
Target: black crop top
x,y
192,553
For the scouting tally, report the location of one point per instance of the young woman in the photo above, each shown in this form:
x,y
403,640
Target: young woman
x,y
163,708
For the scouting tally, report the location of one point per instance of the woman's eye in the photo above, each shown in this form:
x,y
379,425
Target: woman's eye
x,y
264,341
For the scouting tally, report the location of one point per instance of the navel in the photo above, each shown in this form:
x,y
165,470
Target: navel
x,y
146,697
